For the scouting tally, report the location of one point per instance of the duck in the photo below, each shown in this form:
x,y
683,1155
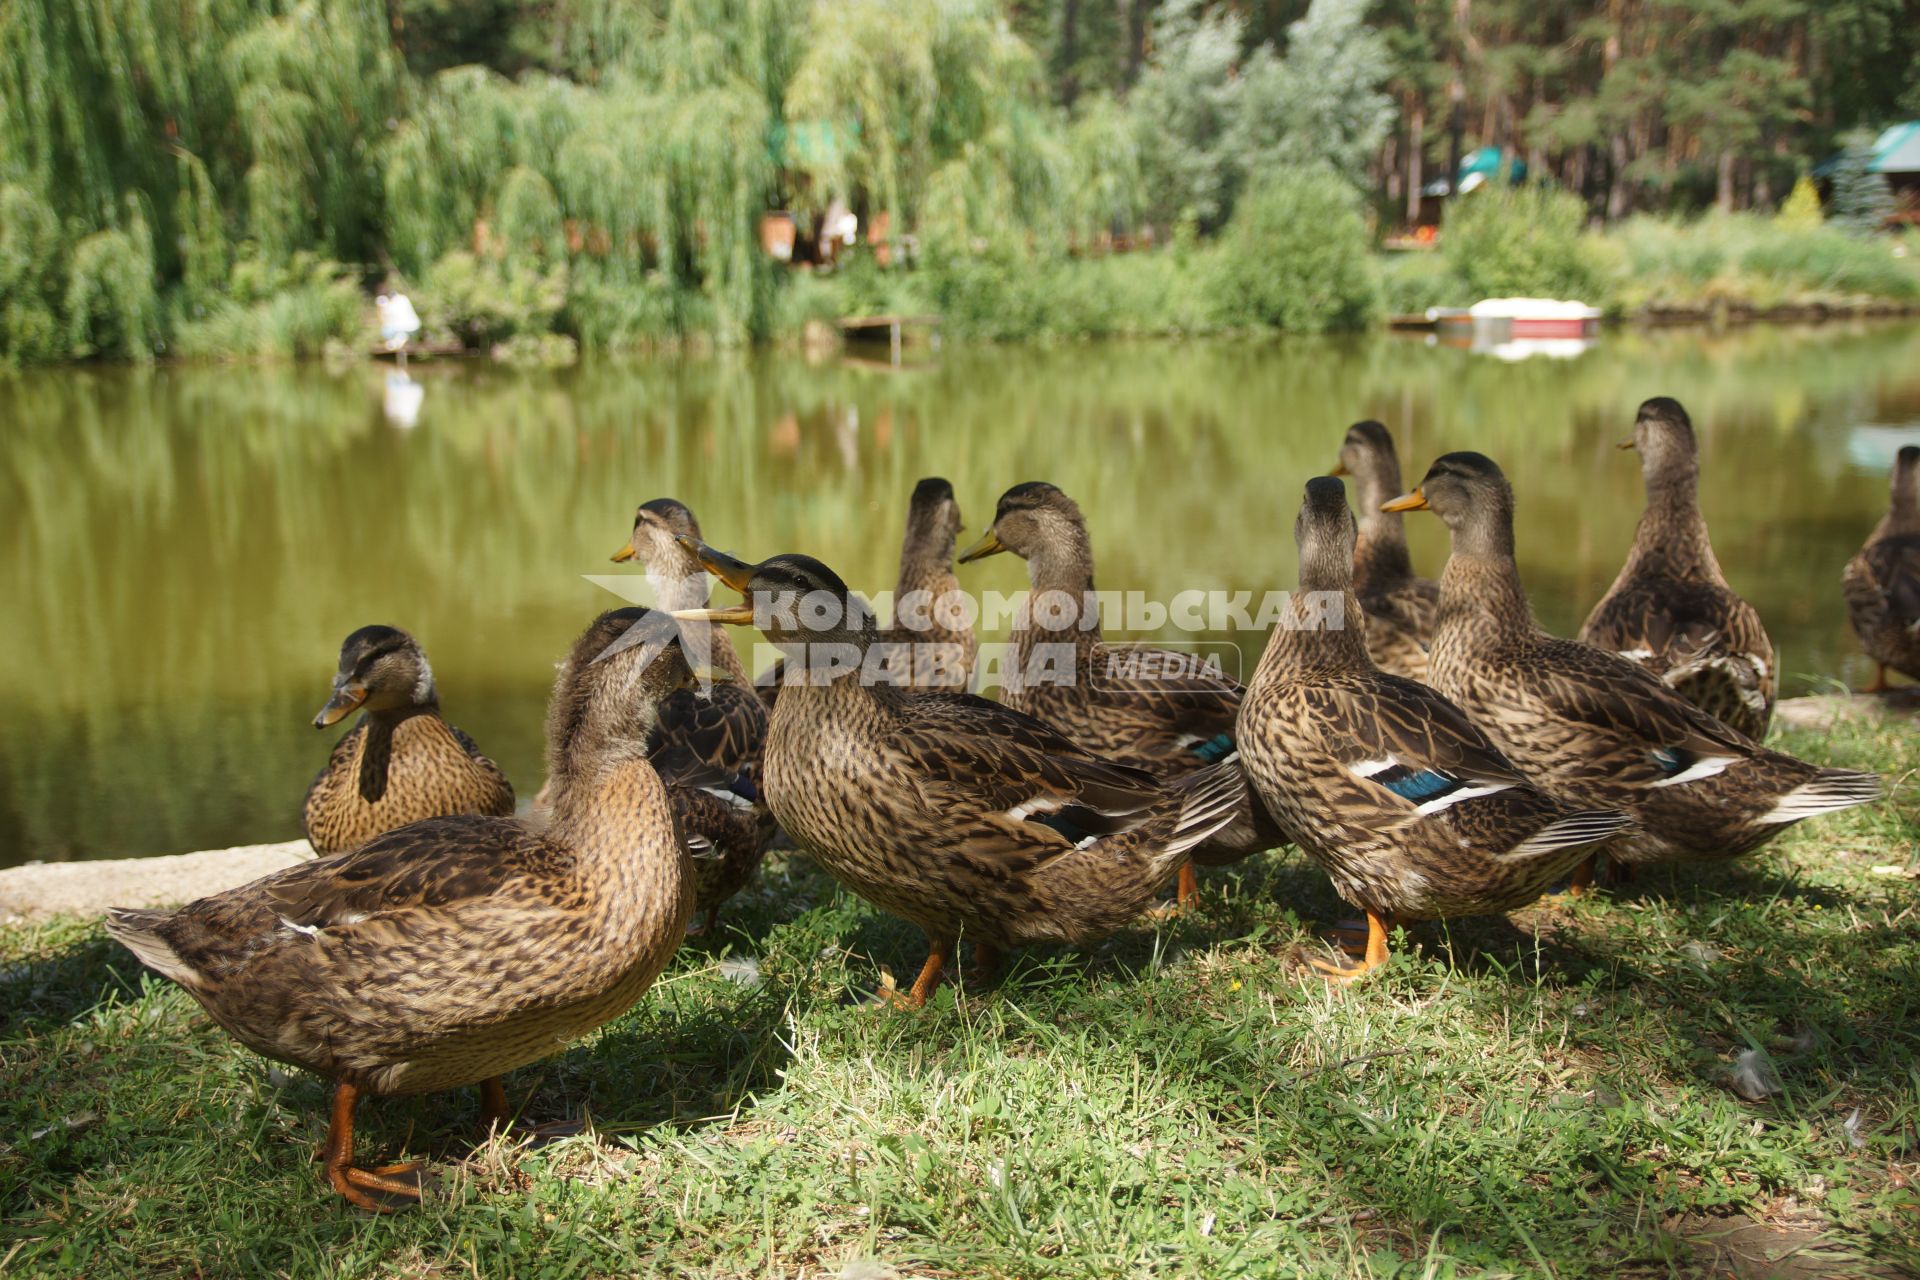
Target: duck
x,y
931,621
1591,726
1408,807
708,743
705,745
1399,608
1671,610
964,817
402,762
455,949
1163,712
1882,581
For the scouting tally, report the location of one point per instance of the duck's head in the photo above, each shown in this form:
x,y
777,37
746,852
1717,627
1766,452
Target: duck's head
x,y
933,518
614,678
1325,532
1663,434
793,599
381,669
1030,519
1367,450
1462,489
657,528
1906,476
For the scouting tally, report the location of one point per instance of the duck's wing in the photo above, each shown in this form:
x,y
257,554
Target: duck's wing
x,y
1631,727
1003,777
1895,565
707,740
1418,752
435,865
1173,695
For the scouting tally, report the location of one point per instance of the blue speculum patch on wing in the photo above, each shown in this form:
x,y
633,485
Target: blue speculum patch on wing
x,y
1416,785
1215,749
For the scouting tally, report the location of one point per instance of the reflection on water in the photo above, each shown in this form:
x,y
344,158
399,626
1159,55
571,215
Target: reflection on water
x,y
186,547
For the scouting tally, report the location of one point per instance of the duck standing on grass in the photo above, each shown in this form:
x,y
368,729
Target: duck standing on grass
x,y
1410,809
1882,581
1145,708
1671,610
451,951
1591,726
708,744
959,815
402,762
1399,608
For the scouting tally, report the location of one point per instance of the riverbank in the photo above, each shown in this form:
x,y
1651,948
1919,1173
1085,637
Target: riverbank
x,y
1707,1073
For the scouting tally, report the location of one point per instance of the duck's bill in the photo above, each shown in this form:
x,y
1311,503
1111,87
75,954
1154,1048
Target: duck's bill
x,y
712,675
1625,444
735,573
346,700
739,615
1415,501
623,555
988,545
1339,469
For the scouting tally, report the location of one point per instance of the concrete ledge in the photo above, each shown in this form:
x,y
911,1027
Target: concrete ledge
x,y
89,888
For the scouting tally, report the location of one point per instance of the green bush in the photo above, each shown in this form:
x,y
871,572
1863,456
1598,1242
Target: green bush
x,y
1414,281
481,302
1527,241
291,310
111,305
1297,256
1756,261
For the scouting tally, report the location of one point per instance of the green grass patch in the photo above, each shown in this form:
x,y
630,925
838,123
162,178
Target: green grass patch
x,y
1543,1094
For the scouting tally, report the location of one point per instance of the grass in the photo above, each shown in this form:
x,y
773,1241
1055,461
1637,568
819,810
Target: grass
x,y
1546,1094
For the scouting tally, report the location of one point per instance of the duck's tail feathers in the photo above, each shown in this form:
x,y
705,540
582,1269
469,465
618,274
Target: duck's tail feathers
x,y
1589,826
139,932
1210,798
1827,791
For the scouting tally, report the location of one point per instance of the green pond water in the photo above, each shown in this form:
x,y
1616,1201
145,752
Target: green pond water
x,y
183,549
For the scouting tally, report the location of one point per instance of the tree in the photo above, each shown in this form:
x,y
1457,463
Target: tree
x,y
1861,200
1321,100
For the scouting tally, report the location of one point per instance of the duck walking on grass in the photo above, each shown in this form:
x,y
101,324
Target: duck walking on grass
x,y
451,951
1400,609
1146,708
1671,610
1591,726
1882,581
959,815
402,762
1411,810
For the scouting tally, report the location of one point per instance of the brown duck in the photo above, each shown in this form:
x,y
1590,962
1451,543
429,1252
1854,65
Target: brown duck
x,y
708,743
929,620
1671,610
1149,709
1882,581
960,815
1399,608
451,951
402,762
1589,725
1406,805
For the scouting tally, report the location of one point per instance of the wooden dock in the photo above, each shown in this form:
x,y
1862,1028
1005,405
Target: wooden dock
x,y
891,328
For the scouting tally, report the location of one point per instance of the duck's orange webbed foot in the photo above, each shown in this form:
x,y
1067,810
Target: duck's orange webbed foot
x,y
939,950
1374,956
1186,891
392,1181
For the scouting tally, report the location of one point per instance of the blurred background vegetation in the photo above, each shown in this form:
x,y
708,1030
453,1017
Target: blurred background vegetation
x,y
233,177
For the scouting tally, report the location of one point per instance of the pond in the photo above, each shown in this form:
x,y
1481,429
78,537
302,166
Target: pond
x,y
185,547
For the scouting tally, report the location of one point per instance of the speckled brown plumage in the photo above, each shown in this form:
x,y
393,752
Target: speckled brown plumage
x,y
402,762
1408,807
1589,725
930,622
1150,709
1671,610
454,949
1399,608
955,813
1882,581
706,747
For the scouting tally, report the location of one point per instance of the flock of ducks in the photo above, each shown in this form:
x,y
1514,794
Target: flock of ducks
x,y
1427,744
